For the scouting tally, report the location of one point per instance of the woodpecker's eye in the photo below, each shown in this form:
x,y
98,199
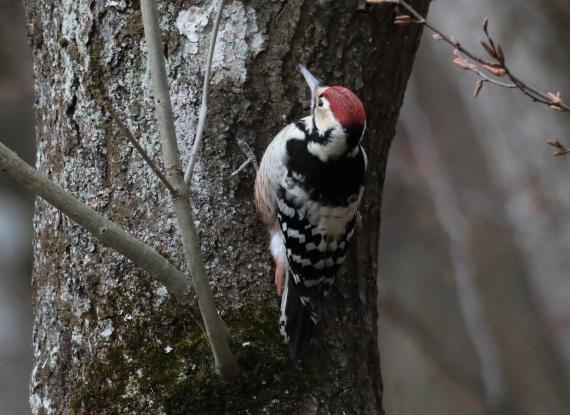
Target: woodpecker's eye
x,y
321,102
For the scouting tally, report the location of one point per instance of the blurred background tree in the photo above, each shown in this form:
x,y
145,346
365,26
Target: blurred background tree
x,y
472,194
476,203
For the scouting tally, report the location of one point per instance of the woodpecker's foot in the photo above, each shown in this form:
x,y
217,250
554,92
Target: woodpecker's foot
x,y
279,277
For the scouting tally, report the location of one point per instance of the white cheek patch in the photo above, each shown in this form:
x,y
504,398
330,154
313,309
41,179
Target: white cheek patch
x,y
325,120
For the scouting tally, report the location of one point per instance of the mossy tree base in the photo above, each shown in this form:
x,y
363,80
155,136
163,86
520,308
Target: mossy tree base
x,y
180,375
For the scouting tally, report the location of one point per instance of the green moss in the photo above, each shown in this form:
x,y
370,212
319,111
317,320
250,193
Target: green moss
x,y
139,372
268,383
63,42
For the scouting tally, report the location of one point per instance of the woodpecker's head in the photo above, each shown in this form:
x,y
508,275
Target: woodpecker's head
x,y
338,116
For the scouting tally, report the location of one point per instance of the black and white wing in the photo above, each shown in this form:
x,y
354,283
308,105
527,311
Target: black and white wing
x,y
316,211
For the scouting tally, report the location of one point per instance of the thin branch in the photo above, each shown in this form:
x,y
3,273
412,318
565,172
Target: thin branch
x,y
487,70
463,63
241,167
130,137
218,337
496,67
205,92
107,232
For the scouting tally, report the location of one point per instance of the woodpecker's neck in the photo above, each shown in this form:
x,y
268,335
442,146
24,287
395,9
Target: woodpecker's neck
x,y
330,140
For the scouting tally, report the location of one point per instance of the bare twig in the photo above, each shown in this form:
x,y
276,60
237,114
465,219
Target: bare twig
x,y
205,92
107,232
130,137
463,63
496,66
487,70
218,337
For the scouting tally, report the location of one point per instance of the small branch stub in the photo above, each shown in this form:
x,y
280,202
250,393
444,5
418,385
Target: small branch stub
x,y
205,93
131,138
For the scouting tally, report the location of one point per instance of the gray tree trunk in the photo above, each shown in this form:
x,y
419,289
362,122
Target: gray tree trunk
x,y
107,338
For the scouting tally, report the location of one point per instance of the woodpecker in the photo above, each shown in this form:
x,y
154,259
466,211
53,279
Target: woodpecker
x,y
307,191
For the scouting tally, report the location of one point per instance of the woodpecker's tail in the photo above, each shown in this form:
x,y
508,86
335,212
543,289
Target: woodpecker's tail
x,y
300,309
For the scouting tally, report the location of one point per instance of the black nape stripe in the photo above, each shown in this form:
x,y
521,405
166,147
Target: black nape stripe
x,y
353,134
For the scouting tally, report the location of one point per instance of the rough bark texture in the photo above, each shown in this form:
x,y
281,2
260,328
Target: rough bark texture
x,y
107,339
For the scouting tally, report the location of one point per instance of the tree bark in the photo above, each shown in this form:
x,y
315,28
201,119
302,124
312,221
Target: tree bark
x,y
107,338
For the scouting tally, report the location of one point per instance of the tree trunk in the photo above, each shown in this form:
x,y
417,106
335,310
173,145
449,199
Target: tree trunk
x,y
107,338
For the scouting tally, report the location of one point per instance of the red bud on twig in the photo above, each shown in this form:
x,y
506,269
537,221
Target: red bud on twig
x,y
497,71
556,97
485,24
462,63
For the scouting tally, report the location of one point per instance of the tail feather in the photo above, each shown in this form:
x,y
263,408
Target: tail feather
x,y
300,310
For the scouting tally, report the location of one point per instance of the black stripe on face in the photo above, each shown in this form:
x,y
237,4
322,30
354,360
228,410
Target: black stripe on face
x,y
353,134
314,136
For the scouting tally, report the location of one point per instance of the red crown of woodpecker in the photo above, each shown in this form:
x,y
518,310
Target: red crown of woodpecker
x,y
346,106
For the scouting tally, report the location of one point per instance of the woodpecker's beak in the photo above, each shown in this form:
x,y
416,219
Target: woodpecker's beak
x,y
313,82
